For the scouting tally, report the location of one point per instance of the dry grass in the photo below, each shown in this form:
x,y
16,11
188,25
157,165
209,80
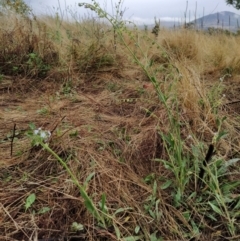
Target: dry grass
x,y
106,120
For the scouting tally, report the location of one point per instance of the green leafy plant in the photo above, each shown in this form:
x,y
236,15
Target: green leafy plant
x,y
44,210
29,201
18,6
215,94
221,198
36,65
43,111
40,137
181,162
77,227
152,204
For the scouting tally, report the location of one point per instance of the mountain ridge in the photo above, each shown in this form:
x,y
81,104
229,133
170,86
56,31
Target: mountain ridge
x,y
225,20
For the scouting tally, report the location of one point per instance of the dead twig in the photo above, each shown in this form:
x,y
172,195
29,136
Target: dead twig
x,y
12,138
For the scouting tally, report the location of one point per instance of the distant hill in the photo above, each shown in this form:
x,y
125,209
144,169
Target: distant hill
x,y
226,20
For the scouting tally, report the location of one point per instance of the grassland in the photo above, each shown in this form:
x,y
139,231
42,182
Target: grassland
x,y
144,130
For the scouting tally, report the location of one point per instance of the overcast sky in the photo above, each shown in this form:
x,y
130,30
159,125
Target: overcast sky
x,y
140,10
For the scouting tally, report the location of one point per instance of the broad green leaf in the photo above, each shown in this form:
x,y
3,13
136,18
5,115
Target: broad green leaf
x,y
152,214
195,227
211,217
149,178
90,206
153,237
89,177
230,187
154,188
117,231
178,196
186,215
166,184
32,126
215,208
120,210
102,203
44,210
137,229
237,206
29,201
192,196
221,135
132,238
167,164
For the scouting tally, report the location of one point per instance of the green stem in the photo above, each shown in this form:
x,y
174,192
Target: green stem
x,y
88,201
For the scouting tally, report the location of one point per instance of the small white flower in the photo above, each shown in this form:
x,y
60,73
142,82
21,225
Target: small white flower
x,y
43,135
35,132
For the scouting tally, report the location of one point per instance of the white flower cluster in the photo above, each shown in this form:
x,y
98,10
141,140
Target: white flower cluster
x,y
45,135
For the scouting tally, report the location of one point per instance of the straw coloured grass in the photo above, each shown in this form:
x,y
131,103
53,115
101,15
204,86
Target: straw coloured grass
x,y
139,135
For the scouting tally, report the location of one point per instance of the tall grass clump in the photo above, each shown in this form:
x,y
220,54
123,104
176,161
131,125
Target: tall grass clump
x,y
40,44
30,52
